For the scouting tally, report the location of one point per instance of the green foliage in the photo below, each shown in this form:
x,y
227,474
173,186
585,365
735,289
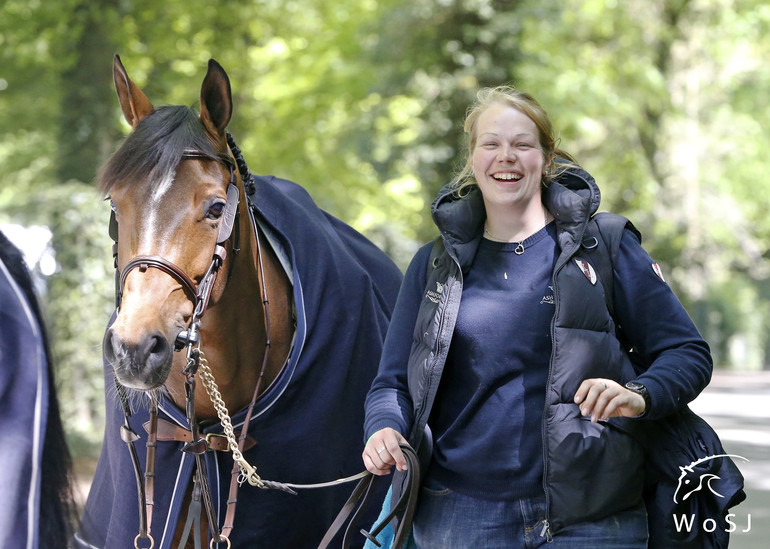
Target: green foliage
x,y
79,297
84,297
362,102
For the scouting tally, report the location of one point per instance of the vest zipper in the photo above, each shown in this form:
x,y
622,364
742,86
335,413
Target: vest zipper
x,y
556,301
560,264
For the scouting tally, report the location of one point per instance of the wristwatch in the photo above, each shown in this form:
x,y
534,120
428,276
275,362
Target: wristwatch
x,y
640,389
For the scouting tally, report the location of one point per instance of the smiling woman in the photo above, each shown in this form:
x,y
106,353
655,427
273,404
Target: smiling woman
x,y
503,364
513,155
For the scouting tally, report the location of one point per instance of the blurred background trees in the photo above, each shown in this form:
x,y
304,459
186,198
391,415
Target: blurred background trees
x,y
362,101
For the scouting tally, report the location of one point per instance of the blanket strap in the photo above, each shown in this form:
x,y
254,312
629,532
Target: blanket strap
x,y
168,431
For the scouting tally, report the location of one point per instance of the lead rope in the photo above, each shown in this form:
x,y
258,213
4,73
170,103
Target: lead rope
x,y
193,362
248,472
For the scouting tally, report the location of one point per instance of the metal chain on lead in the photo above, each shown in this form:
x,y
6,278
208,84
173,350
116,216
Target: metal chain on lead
x,y
248,472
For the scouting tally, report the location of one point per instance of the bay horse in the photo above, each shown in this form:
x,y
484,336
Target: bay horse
x,y
281,309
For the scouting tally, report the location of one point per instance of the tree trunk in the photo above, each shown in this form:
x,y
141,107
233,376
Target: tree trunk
x,y
87,101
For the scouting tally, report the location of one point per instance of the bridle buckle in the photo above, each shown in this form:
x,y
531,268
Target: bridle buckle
x,y
186,338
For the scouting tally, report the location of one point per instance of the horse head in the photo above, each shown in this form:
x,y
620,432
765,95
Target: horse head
x,y
168,184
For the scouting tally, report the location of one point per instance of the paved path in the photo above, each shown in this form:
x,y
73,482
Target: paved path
x,y
737,405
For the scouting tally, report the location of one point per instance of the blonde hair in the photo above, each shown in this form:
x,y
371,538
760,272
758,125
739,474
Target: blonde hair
x,y
556,159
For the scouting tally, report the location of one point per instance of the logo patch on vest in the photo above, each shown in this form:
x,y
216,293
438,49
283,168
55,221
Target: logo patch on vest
x,y
587,270
656,269
435,297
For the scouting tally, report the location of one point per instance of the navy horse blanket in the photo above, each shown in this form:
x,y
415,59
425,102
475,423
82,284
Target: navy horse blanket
x,y
24,400
308,426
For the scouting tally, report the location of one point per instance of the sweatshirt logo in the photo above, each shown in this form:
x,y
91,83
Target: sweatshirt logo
x,y
548,298
587,270
435,297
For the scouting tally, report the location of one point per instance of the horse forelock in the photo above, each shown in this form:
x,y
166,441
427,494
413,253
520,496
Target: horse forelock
x,y
153,150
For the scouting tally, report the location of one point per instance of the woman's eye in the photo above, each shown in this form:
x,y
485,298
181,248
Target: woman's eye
x,y
216,210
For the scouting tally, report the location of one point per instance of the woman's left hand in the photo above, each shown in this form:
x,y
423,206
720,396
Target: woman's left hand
x,y
604,398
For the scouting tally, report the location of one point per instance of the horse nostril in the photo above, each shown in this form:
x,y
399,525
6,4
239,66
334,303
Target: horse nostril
x,y
156,350
108,347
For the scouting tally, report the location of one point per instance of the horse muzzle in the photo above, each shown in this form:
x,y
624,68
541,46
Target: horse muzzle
x,y
143,364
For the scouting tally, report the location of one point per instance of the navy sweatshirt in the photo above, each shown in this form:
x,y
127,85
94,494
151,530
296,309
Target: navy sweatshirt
x,y
487,419
492,393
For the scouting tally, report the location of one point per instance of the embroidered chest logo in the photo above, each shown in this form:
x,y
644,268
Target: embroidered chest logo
x,y
587,270
435,297
548,298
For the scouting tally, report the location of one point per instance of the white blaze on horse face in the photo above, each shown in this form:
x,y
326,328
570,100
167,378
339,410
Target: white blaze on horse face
x,y
149,237
164,186
154,299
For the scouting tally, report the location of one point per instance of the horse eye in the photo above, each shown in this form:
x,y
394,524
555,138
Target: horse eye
x,y
216,210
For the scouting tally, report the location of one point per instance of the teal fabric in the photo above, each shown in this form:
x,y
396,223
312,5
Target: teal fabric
x,y
385,537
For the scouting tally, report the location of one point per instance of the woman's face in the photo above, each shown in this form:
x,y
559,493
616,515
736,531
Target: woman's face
x,y
507,160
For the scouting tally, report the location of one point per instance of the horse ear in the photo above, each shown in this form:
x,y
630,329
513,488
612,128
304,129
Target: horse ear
x,y
216,100
134,103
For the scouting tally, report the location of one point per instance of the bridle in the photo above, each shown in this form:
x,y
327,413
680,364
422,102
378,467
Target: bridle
x,y
199,296
196,363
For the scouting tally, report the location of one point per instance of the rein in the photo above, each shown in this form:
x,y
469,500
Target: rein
x,y
197,363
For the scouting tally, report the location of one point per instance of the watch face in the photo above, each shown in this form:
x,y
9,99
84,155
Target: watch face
x,y
641,390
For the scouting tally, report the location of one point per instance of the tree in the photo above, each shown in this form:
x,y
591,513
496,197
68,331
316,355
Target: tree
x,y
362,103
86,107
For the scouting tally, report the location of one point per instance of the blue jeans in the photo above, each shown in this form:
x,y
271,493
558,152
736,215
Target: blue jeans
x,y
447,519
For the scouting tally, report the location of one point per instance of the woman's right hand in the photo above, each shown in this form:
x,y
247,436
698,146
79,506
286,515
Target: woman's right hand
x,y
382,452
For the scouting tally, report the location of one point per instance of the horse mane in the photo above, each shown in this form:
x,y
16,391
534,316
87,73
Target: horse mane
x,y
57,508
154,149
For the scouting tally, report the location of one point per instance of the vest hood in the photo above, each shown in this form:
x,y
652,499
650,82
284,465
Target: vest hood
x,y
572,199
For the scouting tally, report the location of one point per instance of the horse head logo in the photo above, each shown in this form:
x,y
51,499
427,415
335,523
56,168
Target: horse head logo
x,y
687,484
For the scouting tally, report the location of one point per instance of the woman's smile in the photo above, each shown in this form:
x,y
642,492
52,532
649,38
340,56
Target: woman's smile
x,y
507,160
